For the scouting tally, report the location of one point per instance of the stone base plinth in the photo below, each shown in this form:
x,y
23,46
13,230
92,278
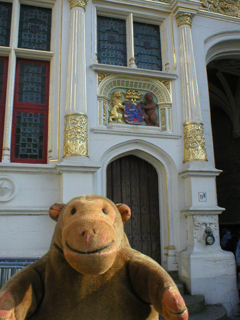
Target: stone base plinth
x,y
210,274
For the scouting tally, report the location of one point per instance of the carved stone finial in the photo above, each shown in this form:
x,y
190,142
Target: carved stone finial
x,y
184,18
78,4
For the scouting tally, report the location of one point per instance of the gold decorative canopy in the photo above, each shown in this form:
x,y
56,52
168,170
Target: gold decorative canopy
x,y
184,19
78,4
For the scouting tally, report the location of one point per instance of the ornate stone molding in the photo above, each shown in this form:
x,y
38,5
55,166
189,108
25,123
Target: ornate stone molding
x,y
110,83
229,8
184,19
76,135
8,189
194,142
201,223
78,4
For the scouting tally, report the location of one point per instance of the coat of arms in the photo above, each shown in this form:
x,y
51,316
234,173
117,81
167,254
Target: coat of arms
x,y
133,112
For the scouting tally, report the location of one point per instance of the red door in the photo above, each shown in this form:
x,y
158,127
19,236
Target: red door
x,y
134,181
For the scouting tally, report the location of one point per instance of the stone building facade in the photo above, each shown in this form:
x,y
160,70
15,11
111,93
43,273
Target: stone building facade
x,y
74,120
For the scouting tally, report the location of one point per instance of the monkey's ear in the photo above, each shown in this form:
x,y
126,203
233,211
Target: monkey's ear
x,y
55,210
124,210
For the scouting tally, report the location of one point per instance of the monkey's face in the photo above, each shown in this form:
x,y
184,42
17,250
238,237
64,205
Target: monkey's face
x,y
89,235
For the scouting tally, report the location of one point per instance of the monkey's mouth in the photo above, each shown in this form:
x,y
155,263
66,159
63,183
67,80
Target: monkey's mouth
x,y
89,252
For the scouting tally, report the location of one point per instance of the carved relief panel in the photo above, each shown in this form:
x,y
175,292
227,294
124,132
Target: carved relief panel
x,y
143,102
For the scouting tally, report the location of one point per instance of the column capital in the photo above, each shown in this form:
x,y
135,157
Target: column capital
x,y
184,19
78,4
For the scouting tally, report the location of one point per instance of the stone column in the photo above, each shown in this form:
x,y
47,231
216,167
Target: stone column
x,y
130,46
76,121
194,141
203,266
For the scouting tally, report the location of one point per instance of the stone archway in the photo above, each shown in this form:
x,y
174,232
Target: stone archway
x,y
224,92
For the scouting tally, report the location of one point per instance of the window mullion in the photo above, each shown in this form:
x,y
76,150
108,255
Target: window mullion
x,y
10,82
130,42
15,24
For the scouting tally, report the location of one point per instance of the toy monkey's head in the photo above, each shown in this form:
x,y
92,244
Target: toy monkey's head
x,y
90,232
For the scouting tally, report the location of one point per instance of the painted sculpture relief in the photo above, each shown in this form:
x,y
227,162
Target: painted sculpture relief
x,y
132,110
116,106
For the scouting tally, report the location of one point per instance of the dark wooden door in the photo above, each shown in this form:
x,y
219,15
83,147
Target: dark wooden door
x,y
134,181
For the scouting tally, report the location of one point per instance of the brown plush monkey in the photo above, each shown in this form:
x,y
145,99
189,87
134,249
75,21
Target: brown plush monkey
x,y
91,272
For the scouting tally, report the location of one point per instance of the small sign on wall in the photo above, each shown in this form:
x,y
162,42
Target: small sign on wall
x,y
202,196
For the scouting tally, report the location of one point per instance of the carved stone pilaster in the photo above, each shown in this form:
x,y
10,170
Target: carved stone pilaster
x,y
76,135
76,121
184,19
194,142
78,4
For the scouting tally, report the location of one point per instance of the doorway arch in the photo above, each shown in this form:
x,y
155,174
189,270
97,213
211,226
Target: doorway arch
x,y
170,233
134,181
223,70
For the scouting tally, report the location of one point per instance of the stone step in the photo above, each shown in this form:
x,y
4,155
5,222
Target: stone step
x,y
210,313
195,304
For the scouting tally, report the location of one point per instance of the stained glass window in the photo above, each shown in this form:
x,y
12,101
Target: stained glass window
x,y
112,41
5,23
35,28
1,77
1,130
147,48
32,83
29,135
3,81
30,114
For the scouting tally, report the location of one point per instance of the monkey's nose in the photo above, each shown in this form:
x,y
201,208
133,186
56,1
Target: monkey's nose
x,y
88,232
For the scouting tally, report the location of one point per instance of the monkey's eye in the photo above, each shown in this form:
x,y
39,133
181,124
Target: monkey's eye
x,y
104,211
73,211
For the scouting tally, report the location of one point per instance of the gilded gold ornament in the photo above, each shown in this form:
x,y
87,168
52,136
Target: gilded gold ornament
x,y
102,76
166,84
117,107
163,119
132,95
194,142
170,247
184,19
104,113
78,4
76,135
229,8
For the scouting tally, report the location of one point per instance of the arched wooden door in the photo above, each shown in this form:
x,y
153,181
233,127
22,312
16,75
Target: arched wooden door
x,y
134,181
